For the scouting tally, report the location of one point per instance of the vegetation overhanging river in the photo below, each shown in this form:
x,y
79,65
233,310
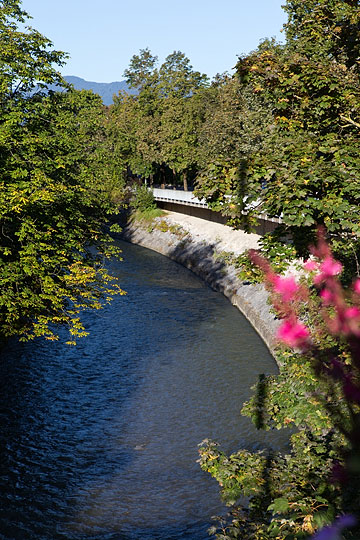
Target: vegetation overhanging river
x,y
100,441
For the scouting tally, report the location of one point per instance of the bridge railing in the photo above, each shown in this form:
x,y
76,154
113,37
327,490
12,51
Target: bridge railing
x,y
187,198
178,196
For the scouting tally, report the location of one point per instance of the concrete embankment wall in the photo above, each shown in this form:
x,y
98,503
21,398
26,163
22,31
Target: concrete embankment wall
x,y
201,259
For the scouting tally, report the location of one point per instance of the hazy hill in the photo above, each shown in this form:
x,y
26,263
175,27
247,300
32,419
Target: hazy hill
x,y
105,90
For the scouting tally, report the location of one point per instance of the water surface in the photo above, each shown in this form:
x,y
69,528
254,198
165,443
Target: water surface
x,y
100,441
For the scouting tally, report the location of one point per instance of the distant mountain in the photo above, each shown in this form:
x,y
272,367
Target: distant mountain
x,y
105,90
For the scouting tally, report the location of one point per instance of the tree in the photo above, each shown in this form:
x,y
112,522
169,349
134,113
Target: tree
x,y
311,160
181,113
177,77
26,57
167,115
325,28
143,74
305,169
52,203
235,127
141,70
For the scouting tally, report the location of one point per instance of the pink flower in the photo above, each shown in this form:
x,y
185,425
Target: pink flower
x,y
357,286
346,321
327,296
329,267
311,265
287,287
351,319
351,313
294,334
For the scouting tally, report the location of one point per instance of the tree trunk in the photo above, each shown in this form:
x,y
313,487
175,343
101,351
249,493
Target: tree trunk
x,y
163,177
185,181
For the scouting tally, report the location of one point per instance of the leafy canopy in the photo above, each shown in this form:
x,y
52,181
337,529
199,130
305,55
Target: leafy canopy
x,y
52,201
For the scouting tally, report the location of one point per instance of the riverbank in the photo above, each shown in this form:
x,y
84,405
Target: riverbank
x,y
198,244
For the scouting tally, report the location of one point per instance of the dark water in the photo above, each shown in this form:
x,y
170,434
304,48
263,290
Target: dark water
x,y
100,441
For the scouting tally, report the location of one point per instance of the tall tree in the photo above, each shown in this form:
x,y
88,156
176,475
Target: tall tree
x,y
311,160
306,168
51,206
323,28
141,70
178,78
235,126
181,113
143,74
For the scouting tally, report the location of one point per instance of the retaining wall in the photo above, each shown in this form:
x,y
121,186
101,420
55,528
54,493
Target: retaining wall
x,y
201,259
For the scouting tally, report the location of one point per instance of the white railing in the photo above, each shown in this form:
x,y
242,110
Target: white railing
x,y
178,196
187,198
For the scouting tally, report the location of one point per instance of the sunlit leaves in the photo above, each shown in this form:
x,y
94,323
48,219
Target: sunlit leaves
x,y
54,192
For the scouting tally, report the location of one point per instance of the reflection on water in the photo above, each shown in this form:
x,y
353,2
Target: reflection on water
x,y
100,441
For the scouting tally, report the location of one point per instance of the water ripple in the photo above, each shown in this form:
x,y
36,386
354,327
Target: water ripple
x,y
100,441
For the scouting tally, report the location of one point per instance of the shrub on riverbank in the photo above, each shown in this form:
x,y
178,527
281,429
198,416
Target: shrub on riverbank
x,y
318,392
144,206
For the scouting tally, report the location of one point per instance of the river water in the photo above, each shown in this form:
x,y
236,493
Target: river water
x,y
99,441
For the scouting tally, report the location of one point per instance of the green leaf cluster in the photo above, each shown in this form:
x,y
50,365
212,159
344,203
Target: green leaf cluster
x,y
155,133
281,495
55,192
302,167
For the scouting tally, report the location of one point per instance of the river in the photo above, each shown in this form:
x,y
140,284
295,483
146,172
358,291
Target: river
x,y
99,441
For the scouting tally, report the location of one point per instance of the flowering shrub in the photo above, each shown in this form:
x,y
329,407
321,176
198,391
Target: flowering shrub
x,y
339,310
318,391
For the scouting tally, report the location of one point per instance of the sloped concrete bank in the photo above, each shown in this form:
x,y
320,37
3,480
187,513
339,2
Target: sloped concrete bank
x,y
201,258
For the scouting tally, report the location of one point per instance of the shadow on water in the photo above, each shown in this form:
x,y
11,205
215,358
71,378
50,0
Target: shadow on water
x,y
100,441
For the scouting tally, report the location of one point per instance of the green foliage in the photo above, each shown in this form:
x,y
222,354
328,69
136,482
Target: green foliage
x,y
304,168
141,69
145,210
54,195
143,199
289,495
157,130
289,128
26,56
292,398
310,160
147,217
279,253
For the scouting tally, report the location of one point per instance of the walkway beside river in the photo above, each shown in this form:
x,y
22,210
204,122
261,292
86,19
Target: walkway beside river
x,y
223,237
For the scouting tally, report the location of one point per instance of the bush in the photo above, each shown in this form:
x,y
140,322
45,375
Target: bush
x,y
144,199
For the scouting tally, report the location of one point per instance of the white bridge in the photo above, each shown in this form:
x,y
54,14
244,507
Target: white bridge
x,y
177,196
187,198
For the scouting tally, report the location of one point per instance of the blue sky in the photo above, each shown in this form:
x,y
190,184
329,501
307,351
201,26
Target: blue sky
x,y
102,35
